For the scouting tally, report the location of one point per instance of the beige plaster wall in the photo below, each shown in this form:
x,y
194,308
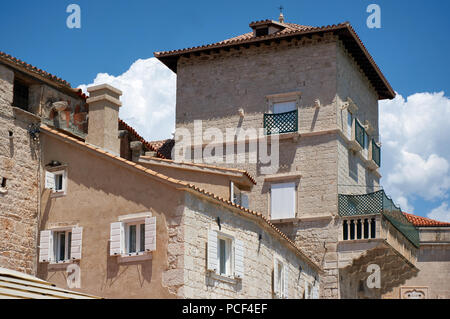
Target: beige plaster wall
x,y
98,192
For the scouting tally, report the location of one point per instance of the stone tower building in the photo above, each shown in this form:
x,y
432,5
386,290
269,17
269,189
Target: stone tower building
x,y
28,96
317,89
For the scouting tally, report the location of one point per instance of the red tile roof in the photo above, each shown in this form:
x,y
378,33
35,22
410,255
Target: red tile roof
x,y
420,221
344,30
148,145
163,148
19,63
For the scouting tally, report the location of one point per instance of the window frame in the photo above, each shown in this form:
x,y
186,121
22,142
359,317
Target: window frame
x,y
229,253
280,267
138,238
56,172
57,245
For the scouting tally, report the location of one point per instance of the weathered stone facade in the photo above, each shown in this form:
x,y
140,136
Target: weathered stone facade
x,y
19,158
259,256
233,89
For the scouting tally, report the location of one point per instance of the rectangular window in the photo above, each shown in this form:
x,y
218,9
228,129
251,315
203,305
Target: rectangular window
x,y
282,201
237,196
62,245
279,279
135,237
224,255
58,182
20,98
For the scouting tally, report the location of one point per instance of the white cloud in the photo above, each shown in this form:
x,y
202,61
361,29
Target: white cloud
x,y
441,213
148,99
415,135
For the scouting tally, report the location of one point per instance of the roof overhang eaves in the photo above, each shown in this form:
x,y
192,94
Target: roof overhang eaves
x,y
344,31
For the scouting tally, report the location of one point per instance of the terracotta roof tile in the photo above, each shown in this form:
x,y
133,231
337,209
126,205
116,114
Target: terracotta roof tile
x,y
420,221
17,62
345,31
152,146
230,169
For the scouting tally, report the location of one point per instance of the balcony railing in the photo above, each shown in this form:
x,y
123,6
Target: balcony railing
x,y
376,153
378,203
281,122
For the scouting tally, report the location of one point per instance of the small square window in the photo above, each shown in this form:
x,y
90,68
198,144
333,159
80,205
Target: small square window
x,y
56,181
261,32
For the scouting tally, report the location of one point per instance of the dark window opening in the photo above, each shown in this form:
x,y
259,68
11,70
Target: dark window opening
x,y
3,182
352,229
10,133
262,31
358,229
366,229
20,98
345,234
372,228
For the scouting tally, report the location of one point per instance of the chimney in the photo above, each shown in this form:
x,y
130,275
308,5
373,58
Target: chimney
x,y
103,125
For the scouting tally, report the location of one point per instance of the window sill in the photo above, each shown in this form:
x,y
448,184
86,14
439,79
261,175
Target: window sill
x,y
57,194
3,191
284,220
61,264
224,278
124,258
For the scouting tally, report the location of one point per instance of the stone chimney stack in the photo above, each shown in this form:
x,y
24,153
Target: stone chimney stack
x,y
103,126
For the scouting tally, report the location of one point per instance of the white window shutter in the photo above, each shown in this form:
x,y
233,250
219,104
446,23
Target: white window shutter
x,y
307,292
232,192
239,258
212,250
75,246
49,180
276,289
283,197
150,233
116,239
315,292
46,246
286,281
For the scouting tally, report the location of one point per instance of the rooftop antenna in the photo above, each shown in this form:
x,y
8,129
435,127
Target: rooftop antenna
x,y
281,17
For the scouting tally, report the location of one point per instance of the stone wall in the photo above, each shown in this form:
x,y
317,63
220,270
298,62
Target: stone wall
x,y
19,157
433,262
199,217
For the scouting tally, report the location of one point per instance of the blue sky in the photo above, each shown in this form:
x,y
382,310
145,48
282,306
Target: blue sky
x,y
117,38
411,48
